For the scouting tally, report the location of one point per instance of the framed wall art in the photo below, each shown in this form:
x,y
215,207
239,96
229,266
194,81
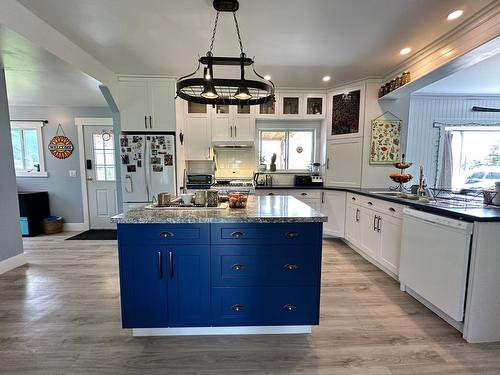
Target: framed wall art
x,y
385,143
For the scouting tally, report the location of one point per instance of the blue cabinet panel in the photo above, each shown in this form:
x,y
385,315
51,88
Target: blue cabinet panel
x,y
246,306
165,234
143,287
189,286
255,265
286,234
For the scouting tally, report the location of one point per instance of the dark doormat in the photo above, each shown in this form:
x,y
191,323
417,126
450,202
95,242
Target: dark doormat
x,y
95,234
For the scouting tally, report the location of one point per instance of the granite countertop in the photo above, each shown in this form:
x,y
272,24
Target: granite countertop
x,y
274,209
483,214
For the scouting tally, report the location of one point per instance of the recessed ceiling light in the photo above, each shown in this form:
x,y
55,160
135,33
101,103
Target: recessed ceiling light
x,y
455,14
405,51
326,78
267,77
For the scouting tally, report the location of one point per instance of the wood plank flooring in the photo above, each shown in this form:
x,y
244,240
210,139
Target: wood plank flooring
x,y
60,315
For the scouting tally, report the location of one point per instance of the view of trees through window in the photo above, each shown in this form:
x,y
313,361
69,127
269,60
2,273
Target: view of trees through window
x,y
476,158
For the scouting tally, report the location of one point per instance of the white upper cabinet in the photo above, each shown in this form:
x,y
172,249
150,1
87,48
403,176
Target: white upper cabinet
x,y
268,110
343,162
147,105
314,106
291,105
346,113
232,123
197,132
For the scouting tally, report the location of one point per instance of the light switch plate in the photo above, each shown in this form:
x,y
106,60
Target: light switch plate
x,y
72,173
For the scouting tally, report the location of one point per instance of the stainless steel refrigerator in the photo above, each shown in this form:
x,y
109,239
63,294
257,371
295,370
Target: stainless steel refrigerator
x,y
147,166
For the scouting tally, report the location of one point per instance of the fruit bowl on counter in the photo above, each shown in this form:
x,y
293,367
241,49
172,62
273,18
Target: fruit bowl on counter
x,y
237,199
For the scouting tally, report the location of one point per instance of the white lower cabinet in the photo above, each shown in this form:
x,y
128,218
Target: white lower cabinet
x,y
375,232
333,205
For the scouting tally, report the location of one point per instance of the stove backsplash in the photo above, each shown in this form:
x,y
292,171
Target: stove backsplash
x,y
234,162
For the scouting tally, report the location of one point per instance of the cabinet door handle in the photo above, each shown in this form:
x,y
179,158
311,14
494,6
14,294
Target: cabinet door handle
x,y
151,122
379,224
145,122
238,307
353,198
208,157
237,234
293,234
322,197
171,265
357,215
270,193
327,163
370,204
231,127
291,266
290,307
237,266
160,265
235,136
303,194
392,209
375,217
166,234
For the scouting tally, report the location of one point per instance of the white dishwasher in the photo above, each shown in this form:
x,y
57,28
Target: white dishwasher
x,y
435,259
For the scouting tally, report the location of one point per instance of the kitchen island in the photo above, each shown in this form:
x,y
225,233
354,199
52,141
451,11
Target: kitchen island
x,y
221,271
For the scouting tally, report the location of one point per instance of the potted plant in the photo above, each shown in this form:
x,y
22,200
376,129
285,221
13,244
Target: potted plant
x,y
262,165
272,167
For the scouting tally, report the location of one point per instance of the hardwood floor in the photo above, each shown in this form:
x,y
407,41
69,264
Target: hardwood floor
x,y
60,315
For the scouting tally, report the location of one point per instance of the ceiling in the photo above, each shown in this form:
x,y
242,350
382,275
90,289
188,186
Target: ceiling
x,y
297,42
37,77
482,78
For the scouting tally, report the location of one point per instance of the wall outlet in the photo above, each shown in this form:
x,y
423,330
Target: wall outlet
x,y
72,173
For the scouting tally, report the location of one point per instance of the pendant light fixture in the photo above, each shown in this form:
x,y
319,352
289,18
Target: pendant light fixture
x,y
212,90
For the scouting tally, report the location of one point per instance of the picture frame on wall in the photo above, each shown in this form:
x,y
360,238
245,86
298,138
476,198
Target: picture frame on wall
x,y
345,113
385,141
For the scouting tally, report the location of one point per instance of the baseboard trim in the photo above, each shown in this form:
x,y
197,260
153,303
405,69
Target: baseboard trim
x,y
75,227
13,262
204,331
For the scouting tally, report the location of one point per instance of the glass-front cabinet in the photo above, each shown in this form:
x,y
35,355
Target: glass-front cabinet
x,y
314,105
291,105
268,110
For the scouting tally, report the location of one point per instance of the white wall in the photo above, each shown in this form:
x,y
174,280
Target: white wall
x,y
423,138
10,233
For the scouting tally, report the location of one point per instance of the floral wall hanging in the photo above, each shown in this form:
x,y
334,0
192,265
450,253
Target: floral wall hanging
x,y
385,145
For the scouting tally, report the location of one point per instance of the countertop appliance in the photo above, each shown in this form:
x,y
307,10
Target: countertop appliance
x,y
306,180
435,260
199,181
147,167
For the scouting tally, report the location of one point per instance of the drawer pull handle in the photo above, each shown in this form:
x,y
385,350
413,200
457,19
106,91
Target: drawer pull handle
x,y
370,203
392,209
270,193
293,234
238,307
352,198
303,194
166,234
237,266
237,234
291,266
290,307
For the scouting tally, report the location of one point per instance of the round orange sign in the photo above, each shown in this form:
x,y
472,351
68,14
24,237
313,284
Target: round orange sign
x,y
61,147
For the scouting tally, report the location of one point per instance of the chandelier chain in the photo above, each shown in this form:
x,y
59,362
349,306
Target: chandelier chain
x,y
238,32
214,31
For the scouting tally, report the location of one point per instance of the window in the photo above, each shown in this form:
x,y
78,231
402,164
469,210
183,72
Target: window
x,y
27,149
104,156
295,149
475,155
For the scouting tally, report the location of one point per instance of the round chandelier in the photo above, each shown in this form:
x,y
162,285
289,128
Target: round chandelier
x,y
237,91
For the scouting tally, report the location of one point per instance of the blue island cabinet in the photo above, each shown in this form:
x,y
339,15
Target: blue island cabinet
x,y
164,275
220,274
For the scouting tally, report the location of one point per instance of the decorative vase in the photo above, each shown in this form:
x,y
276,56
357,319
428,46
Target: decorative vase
x,y
262,167
272,167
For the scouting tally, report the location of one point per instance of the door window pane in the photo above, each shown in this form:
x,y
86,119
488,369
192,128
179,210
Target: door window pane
x,y
104,157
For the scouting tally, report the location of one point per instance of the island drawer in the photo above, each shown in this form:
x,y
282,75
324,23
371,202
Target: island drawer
x,y
265,306
286,234
250,265
140,234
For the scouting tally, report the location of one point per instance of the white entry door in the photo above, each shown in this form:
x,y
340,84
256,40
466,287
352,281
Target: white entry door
x,y
101,175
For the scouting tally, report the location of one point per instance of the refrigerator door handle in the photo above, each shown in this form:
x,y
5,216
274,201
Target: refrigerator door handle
x,y
145,122
151,122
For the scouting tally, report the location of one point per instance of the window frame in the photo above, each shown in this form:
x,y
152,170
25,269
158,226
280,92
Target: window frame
x,y
287,127
35,125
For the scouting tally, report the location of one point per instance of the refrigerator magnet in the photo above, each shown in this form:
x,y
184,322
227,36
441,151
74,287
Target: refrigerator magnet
x,y
139,164
131,168
157,168
169,159
124,142
125,159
